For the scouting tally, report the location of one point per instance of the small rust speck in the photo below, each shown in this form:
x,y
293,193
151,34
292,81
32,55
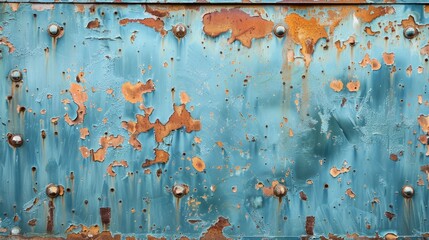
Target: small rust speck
x,y
336,85
350,193
393,157
353,86
389,215
303,196
198,164
93,24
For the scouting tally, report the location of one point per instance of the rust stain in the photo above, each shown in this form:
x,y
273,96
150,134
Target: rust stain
x,y
305,33
85,231
9,45
335,171
156,12
369,31
425,50
350,193
389,58
180,118
309,225
410,22
198,164
219,144
79,96
303,196
424,123
134,93
269,191
105,142
115,163
353,86
50,217
14,6
93,24
184,98
393,157
336,85
42,7
243,27
374,63
425,169
156,24
215,231
84,151
389,215
83,133
161,156
331,237
372,12
32,222
35,201
390,236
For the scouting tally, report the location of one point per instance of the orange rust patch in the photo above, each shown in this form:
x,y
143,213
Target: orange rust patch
x,y
353,86
335,171
156,24
83,133
184,98
93,24
198,164
305,33
219,144
336,85
9,45
84,230
375,64
14,6
369,31
115,163
84,151
105,143
180,118
410,22
161,156
420,99
389,58
215,231
424,123
243,27
79,96
393,157
350,193
134,93
425,50
372,12
156,12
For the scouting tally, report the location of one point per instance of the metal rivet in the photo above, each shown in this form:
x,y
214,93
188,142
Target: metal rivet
x,y
179,30
280,31
15,75
280,190
407,191
52,190
54,30
15,231
180,190
410,32
15,140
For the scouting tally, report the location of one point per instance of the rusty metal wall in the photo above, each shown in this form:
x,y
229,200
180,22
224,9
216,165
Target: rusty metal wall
x,y
213,121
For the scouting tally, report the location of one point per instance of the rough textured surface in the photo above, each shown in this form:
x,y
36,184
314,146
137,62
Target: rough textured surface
x,y
119,111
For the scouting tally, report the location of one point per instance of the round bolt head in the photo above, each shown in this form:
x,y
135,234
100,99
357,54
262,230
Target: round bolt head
x,y
15,75
407,191
15,231
179,30
54,30
280,190
180,190
15,140
280,31
52,190
410,32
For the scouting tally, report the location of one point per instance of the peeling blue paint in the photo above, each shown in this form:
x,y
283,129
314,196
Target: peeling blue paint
x,y
284,123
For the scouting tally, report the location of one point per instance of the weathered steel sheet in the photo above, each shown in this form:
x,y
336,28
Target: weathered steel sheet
x,y
191,121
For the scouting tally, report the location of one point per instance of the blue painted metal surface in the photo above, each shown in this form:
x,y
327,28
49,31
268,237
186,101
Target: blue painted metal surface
x,y
331,111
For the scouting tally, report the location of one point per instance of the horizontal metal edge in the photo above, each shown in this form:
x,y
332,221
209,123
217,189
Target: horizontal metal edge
x,y
282,2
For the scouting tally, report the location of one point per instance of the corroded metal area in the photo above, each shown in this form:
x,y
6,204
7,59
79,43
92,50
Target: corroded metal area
x,y
210,121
